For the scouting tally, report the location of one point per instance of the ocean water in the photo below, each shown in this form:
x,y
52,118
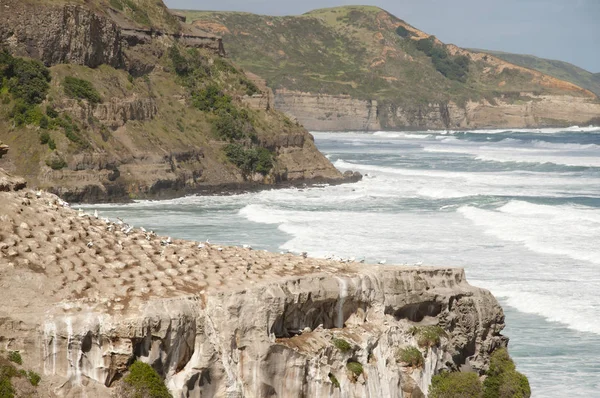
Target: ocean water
x,y
519,210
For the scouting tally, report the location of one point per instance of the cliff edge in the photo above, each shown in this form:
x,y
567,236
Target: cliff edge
x,y
84,297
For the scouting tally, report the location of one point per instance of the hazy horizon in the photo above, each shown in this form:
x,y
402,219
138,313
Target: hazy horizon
x,y
549,29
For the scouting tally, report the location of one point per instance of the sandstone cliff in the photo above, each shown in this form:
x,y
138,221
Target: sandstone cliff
x,y
361,68
140,132
322,112
84,297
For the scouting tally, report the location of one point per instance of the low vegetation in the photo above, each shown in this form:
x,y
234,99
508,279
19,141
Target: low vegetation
x,y
334,380
428,336
144,382
81,89
250,160
456,385
453,67
8,371
355,367
15,356
411,356
502,381
342,345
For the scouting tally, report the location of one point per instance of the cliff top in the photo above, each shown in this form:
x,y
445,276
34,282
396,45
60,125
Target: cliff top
x,y
52,255
368,53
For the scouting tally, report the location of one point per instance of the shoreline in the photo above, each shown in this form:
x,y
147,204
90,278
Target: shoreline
x,y
226,189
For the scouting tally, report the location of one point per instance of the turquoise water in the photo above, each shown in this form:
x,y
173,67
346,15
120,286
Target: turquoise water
x,y
519,210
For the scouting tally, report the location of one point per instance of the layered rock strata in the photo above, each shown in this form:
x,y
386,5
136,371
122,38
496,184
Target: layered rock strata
x,y
84,297
322,112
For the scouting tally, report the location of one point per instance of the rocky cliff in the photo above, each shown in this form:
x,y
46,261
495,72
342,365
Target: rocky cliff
x,y
361,68
130,103
322,112
84,297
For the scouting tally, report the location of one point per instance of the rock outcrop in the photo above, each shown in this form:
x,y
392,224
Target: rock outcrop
x,y
84,297
75,34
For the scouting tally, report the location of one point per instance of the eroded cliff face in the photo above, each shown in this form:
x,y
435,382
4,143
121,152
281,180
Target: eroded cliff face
x,y
321,112
85,297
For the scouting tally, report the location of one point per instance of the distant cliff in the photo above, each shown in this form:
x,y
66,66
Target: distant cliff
x,y
93,296
127,102
361,68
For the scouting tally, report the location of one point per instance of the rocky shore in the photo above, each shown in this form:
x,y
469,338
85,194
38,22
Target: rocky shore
x,y
85,296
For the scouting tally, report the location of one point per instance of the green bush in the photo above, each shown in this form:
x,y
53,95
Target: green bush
x,y
51,144
428,336
454,68
81,89
355,367
15,356
51,112
56,163
503,381
145,381
258,159
27,80
456,385
403,32
342,345
334,380
44,123
180,63
411,356
44,138
211,98
33,378
6,388
24,113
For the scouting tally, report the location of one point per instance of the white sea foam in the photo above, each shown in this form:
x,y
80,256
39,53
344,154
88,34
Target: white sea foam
x,y
555,230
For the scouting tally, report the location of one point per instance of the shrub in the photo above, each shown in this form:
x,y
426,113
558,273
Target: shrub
x,y
342,345
44,122
334,380
56,163
503,381
180,63
27,80
15,356
33,378
211,98
24,113
81,89
44,138
456,385
51,112
250,160
355,367
412,356
51,144
6,388
428,336
145,381
454,68
403,32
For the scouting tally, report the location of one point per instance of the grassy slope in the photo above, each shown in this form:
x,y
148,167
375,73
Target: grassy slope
x,y
559,69
354,50
178,127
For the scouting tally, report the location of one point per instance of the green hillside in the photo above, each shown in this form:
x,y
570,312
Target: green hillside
x,y
559,69
369,54
155,115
